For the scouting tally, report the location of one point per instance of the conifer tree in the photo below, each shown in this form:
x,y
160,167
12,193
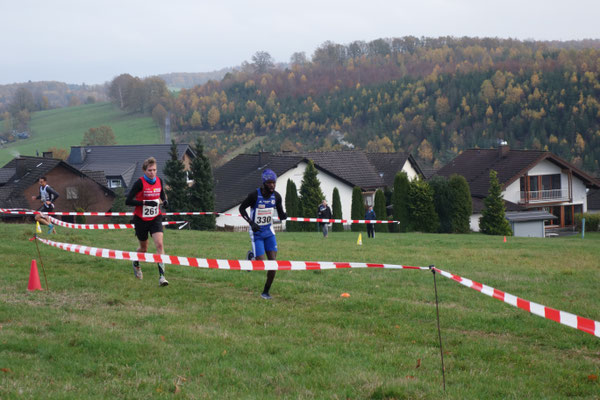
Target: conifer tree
x,y
421,207
400,201
336,210
442,202
119,205
492,220
358,209
291,206
176,186
380,210
310,195
201,195
461,204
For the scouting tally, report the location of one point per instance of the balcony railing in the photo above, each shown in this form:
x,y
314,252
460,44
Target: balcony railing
x,y
543,196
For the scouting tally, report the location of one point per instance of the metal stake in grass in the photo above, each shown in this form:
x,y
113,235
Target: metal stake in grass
x,y
437,310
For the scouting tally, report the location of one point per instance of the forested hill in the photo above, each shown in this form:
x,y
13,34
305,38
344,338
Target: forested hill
x,y
431,96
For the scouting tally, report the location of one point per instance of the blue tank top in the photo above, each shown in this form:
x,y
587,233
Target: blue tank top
x,y
262,213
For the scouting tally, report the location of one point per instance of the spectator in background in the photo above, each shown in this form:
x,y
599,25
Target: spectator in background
x,y
48,196
370,214
324,212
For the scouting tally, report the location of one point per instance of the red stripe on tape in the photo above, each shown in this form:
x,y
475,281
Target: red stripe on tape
x,y
552,314
585,324
477,286
258,265
284,265
212,263
498,294
523,304
234,264
313,265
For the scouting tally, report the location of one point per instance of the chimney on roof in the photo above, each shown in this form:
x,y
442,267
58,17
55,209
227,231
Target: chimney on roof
x,y
262,158
21,168
503,149
47,154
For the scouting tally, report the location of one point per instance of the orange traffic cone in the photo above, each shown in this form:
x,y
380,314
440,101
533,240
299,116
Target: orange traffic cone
x,y
504,239
34,277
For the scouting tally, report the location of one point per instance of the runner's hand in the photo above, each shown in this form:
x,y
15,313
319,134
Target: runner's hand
x,y
165,204
150,203
283,216
255,227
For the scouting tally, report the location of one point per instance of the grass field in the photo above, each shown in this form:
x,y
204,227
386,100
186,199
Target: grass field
x,y
64,127
100,333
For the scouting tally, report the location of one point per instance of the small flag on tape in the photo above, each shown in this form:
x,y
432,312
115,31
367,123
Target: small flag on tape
x,y
359,241
38,229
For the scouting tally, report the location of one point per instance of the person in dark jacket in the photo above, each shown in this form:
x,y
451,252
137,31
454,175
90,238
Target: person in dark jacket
x,y
324,212
370,214
48,196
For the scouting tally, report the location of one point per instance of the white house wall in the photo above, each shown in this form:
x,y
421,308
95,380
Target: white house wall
x,y
410,171
474,222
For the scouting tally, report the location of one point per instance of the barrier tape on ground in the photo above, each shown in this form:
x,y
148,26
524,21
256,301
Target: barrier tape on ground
x,y
243,265
191,213
574,321
58,222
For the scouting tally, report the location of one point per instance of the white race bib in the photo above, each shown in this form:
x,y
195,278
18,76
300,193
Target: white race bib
x,y
150,211
263,216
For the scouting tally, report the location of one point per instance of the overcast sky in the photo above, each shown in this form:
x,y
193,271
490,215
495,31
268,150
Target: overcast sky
x,y
77,41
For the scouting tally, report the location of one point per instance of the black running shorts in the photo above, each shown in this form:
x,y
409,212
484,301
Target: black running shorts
x,y
142,228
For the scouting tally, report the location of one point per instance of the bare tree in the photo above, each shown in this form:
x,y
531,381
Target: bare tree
x,y
262,61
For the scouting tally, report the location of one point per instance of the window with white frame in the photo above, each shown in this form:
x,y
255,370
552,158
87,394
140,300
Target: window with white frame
x,y
114,183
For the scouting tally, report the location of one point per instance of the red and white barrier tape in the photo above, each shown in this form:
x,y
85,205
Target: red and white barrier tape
x,y
343,221
574,321
120,214
104,226
244,265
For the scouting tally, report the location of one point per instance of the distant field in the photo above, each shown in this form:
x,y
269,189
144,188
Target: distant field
x,y
99,333
64,127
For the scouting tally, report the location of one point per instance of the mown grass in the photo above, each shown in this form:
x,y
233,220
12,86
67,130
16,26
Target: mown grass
x,y
99,333
65,127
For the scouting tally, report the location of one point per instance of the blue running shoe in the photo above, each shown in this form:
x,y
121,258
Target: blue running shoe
x,y
266,296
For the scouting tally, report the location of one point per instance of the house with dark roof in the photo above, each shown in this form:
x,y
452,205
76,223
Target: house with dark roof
x,y
122,165
530,180
19,181
341,169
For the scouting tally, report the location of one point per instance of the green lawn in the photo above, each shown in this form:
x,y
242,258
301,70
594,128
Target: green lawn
x,y
64,127
99,333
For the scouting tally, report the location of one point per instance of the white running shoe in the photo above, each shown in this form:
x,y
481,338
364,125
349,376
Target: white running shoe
x,y
137,270
162,281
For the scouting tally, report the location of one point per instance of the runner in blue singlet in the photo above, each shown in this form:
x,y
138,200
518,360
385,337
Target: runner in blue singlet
x,y
263,202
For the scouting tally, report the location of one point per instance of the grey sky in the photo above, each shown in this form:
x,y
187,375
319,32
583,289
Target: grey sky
x,y
78,41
